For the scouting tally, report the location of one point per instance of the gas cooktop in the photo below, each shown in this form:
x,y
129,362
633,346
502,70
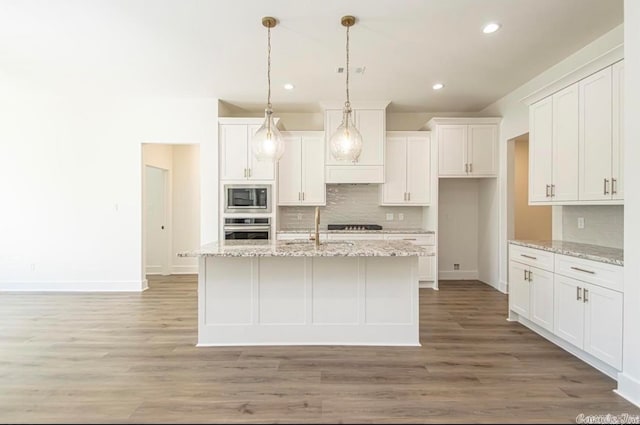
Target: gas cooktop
x,y
354,227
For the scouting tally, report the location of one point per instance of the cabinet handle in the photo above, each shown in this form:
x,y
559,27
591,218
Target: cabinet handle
x,y
245,173
578,293
614,186
303,196
606,186
582,270
586,295
408,196
528,256
466,168
525,275
547,191
409,239
299,197
471,167
249,172
553,190
530,274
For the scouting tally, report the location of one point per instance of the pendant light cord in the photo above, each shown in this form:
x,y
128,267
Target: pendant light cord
x,y
269,68
348,103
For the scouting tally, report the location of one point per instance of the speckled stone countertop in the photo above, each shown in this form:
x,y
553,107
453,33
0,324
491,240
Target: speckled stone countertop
x,y
387,231
598,253
306,248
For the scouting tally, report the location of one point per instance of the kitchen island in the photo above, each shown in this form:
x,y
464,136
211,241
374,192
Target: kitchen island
x,y
296,293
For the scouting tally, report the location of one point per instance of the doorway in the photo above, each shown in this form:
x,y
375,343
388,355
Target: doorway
x,y
156,209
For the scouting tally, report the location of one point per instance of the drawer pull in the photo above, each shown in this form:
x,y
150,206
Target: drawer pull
x,y
586,296
578,293
528,256
409,239
582,270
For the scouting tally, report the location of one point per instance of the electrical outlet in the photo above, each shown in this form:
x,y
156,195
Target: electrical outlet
x,y
400,216
456,266
580,222
299,216
389,216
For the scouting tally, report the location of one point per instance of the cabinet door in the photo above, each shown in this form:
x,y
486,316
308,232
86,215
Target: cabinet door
x,y
482,150
518,289
371,124
569,310
540,150
617,185
426,268
394,189
452,148
313,181
595,136
418,170
290,172
258,170
603,324
332,120
541,284
233,152
566,112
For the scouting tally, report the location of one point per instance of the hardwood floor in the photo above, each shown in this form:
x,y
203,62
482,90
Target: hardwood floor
x,y
132,358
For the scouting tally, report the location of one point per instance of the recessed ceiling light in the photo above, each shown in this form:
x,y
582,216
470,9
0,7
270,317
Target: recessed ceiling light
x,y
491,27
289,86
438,86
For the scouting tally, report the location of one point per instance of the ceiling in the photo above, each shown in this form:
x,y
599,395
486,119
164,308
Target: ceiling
x,y
217,48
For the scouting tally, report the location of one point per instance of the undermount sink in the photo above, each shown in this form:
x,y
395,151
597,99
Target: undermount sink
x,y
310,243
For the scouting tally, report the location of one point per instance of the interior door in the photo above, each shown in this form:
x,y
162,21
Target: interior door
x,y
452,148
156,226
569,310
233,152
595,136
603,324
394,189
566,132
482,153
314,189
540,150
617,186
541,283
258,170
519,296
290,172
418,170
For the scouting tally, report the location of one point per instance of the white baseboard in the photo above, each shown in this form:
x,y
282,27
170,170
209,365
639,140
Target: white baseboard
x,y
458,275
153,270
74,286
145,284
628,388
426,284
192,269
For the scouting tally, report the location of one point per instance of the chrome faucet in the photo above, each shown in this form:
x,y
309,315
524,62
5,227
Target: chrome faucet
x,y
316,235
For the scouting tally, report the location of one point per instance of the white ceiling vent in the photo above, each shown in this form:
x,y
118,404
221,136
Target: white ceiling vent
x,y
354,70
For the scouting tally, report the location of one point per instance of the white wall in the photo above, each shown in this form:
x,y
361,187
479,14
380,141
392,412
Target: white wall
x,y
458,228
185,207
488,233
515,120
72,184
629,380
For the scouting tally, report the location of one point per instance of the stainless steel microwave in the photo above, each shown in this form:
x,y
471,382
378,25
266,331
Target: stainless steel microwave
x,y
241,198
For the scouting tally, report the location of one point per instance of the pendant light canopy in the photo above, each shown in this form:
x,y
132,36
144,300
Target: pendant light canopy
x,y
267,143
346,141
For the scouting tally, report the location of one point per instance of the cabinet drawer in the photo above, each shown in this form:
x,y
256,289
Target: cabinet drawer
x,y
355,236
417,239
606,275
532,257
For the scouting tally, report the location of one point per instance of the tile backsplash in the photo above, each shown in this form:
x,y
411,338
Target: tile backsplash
x,y
351,204
603,224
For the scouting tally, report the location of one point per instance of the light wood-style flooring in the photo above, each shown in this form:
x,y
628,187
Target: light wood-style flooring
x,y
132,358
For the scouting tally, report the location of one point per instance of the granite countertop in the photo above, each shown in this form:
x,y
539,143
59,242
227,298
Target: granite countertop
x,y
387,231
598,253
306,248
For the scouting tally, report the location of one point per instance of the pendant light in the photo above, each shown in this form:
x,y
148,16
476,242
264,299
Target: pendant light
x,y
267,143
346,141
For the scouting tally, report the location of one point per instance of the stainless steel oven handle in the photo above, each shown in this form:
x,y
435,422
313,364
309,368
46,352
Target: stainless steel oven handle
x,y
248,228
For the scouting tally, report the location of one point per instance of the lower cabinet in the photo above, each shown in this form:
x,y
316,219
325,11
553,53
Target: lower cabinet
x,y
586,312
590,317
426,265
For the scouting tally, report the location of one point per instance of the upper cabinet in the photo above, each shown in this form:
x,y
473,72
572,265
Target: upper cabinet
x,y
301,169
407,169
369,119
467,147
236,159
575,142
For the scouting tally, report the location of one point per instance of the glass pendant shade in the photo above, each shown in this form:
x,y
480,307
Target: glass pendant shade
x,y
346,141
267,143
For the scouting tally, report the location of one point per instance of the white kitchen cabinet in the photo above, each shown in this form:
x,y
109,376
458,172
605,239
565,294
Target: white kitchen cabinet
x,y
236,158
519,293
370,120
407,169
569,307
553,147
596,136
541,297
426,264
603,324
301,169
617,149
467,147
